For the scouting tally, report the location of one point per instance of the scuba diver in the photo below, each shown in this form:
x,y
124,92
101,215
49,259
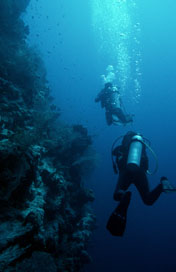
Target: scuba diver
x,y
110,99
132,163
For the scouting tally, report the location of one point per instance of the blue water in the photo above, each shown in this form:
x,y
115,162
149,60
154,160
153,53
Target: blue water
x,y
66,38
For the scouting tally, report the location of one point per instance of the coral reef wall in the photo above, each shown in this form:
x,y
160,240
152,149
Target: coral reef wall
x,y
45,218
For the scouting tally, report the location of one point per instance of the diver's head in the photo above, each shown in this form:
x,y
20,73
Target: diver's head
x,y
108,85
127,138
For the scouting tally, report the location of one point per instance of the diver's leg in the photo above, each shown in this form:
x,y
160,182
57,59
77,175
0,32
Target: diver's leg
x,y
117,221
142,185
123,204
108,118
122,185
121,116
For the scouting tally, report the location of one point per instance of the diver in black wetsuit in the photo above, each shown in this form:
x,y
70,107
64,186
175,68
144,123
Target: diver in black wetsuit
x,y
110,99
132,163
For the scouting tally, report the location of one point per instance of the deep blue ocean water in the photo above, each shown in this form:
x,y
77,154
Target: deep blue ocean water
x,y
76,39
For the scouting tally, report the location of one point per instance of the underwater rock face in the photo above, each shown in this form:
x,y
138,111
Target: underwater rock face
x,y
45,219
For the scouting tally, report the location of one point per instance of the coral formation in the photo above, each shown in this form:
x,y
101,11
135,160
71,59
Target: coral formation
x,y
45,218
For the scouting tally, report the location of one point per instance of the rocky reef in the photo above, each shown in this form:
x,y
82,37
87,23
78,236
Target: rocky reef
x,y
45,218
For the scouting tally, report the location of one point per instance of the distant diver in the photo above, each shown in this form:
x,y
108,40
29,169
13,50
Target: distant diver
x,y
110,99
132,163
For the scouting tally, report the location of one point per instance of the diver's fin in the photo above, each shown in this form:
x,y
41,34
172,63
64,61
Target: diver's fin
x,y
116,224
167,186
117,221
170,190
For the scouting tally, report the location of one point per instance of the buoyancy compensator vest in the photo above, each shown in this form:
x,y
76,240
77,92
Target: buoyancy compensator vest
x,y
131,154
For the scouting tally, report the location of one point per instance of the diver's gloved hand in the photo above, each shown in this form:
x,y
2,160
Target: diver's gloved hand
x,y
167,187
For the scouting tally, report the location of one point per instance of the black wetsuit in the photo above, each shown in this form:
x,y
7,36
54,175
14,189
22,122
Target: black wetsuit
x,y
127,176
111,100
138,178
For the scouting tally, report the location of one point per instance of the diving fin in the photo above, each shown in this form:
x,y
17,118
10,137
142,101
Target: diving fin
x,y
117,221
166,185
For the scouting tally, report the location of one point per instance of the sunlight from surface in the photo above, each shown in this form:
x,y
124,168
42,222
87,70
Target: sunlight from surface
x,y
117,33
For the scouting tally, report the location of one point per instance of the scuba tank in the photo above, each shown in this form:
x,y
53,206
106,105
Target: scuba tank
x,y
114,98
135,153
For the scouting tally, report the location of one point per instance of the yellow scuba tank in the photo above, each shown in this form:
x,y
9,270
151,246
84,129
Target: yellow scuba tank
x,y
135,152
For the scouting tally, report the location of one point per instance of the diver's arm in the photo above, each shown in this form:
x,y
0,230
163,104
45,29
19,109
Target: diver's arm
x,y
120,100
97,99
117,151
99,96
